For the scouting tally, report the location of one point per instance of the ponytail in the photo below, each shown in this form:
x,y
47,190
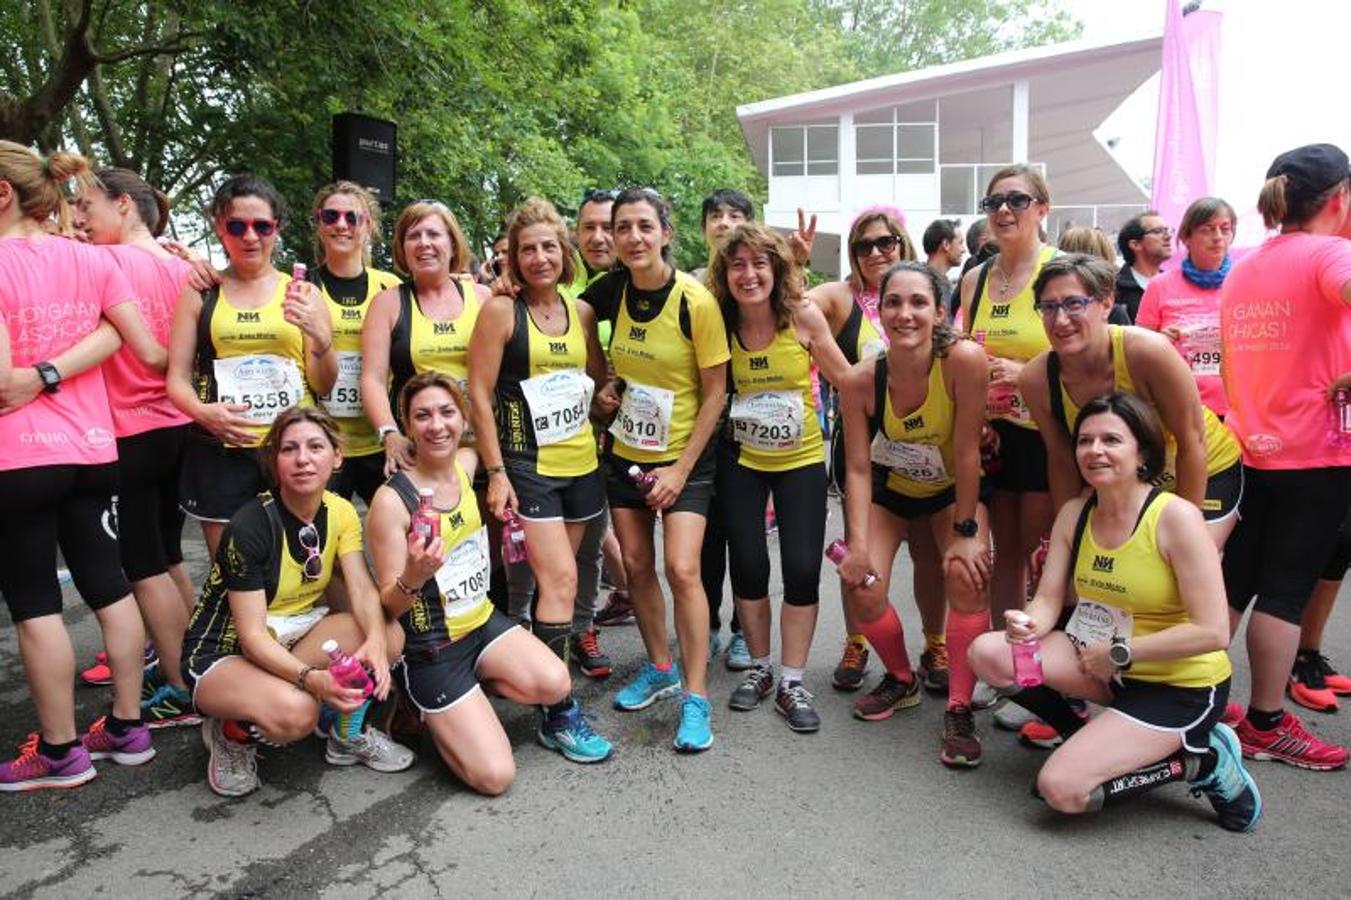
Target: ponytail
x,y
1286,202
38,182
1271,201
152,206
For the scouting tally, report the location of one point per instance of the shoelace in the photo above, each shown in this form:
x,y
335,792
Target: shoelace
x,y
756,674
1310,670
238,756
99,730
854,655
586,642
889,686
700,708
938,656
959,723
27,760
799,695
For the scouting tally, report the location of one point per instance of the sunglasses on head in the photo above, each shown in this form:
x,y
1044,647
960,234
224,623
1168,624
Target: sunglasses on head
x,y
314,561
334,216
240,227
598,195
865,246
1074,307
1016,201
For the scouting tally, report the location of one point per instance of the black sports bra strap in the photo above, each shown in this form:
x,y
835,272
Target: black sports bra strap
x,y
1079,528
1053,387
1144,507
981,276
403,486
879,394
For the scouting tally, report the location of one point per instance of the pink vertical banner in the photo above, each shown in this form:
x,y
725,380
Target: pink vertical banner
x,y
1181,163
1202,31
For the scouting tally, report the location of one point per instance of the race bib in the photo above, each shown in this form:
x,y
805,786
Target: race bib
x,y
1004,402
917,462
1097,623
1200,346
559,403
644,419
463,577
266,384
344,401
768,420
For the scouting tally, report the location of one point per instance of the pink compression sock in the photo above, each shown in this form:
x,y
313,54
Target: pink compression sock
x,y
962,629
888,638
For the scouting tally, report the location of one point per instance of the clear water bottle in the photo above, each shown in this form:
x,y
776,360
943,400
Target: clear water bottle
x,y
346,670
836,553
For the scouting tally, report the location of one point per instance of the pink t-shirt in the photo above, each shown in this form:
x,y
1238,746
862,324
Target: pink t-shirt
x,y
136,393
1171,301
52,293
1286,337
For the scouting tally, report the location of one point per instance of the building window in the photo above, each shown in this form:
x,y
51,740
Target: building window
x,y
804,149
896,142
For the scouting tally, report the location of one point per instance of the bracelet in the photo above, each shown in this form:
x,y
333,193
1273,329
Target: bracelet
x,y
494,470
300,679
405,589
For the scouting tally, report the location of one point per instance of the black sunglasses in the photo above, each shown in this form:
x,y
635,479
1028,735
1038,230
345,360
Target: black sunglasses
x,y
1016,201
331,217
314,560
865,246
240,227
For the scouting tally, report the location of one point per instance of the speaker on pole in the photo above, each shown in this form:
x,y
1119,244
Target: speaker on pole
x,y
366,150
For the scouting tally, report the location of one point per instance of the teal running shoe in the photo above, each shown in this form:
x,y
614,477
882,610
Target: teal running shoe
x,y
168,707
694,733
1229,788
648,687
738,657
571,734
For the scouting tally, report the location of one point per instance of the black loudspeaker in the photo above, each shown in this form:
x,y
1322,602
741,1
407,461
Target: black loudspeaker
x,y
366,150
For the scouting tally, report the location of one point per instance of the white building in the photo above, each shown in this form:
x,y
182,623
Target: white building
x,y
927,141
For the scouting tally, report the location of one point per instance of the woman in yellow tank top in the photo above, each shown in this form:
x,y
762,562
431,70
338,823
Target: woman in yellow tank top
x,y
1146,639
776,447
918,473
1092,359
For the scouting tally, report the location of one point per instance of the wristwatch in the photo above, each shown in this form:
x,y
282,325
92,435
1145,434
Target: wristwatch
x,y
1120,654
385,431
966,527
51,379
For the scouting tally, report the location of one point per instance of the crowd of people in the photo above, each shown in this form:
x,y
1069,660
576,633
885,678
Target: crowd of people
x,y
1082,461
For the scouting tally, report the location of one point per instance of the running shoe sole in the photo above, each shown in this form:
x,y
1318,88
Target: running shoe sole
x,y
909,701
1250,752
796,728
183,721
691,748
665,692
51,782
124,759
958,762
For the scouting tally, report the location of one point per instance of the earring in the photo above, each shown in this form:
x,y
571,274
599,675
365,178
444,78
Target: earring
x,y
1142,472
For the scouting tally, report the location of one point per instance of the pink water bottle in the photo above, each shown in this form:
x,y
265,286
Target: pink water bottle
x,y
346,671
836,553
426,520
513,538
299,271
1339,418
646,481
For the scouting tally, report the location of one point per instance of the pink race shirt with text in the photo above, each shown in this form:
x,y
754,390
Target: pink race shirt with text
x,y
1171,301
1286,338
52,293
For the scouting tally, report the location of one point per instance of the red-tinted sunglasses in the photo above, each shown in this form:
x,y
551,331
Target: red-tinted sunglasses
x,y
261,227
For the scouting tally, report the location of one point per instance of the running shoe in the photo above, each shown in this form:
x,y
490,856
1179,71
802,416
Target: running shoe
x,y
738,658
933,668
649,686
168,707
984,696
570,733
31,770
1012,717
100,673
890,695
694,733
961,747
1337,683
618,610
1307,685
1291,743
1233,714
848,675
1230,789
131,749
590,659
758,682
372,748
151,681
232,768
794,703
1037,733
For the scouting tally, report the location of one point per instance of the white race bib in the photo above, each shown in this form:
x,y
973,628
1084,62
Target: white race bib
x,y
917,462
344,401
644,419
1097,623
768,420
1201,347
267,384
559,403
1004,402
463,577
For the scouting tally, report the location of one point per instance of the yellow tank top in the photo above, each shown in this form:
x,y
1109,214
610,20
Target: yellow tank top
x,y
1222,448
342,535
773,413
1136,579
661,367
442,345
464,597
344,401
1011,329
917,450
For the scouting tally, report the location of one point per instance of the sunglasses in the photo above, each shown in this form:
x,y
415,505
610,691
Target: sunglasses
x,y
262,227
1016,201
314,561
598,195
332,217
865,246
1074,307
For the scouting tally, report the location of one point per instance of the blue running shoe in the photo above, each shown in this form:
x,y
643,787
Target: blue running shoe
x,y
694,733
650,686
571,734
1229,788
714,645
738,655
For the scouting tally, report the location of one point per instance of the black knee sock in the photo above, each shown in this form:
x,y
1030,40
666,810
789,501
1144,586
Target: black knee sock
x,y
1181,766
1051,707
555,636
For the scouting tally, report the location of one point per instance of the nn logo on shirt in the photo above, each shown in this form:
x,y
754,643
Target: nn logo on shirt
x,y
913,422
637,334
443,328
456,520
760,363
558,347
249,317
349,314
1000,311
1103,563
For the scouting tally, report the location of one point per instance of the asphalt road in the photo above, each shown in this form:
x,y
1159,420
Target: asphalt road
x,y
856,809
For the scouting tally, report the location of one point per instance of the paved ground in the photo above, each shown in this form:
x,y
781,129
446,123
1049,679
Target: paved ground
x,y
857,809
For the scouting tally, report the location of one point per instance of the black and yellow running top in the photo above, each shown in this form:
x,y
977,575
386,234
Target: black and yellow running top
x,y
859,338
419,344
660,344
454,601
544,397
582,279
1135,579
260,550
1222,448
916,452
772,417
250,356
1011,329
348,300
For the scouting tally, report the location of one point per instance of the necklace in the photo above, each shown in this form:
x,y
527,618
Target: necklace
x,y
1004,281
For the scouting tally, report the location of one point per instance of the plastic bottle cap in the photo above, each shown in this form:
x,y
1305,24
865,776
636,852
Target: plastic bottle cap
x,y
426,492
329,646
634,471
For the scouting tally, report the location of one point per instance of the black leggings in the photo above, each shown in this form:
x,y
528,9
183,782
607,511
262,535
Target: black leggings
x,y
799,507
150,523
70,505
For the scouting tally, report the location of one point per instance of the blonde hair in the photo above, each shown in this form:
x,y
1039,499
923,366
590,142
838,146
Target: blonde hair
x,y
414,213
1283,202
538,211
907,247
1090,240
38,182
1041,191
368,203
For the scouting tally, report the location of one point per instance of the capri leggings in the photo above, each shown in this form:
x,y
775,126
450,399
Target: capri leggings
x,y
149,521
799,507
67,505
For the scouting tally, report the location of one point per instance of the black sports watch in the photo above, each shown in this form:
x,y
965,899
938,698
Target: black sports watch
x,y
1120,654
51,379
966,527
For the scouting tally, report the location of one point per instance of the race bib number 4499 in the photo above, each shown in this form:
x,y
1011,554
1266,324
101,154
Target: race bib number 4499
x,y
266,384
